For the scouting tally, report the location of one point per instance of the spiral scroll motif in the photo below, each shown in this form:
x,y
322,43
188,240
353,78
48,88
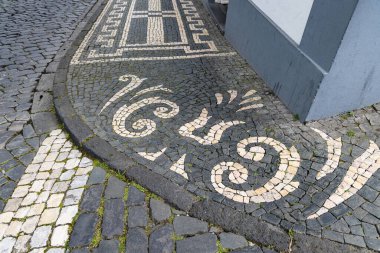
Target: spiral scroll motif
x,y
277,187
144,126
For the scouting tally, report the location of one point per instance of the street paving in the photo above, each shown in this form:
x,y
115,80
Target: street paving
x,y
157,81
31,33
64,200
53,198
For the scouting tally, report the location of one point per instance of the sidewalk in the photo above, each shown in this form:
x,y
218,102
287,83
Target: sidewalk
x,y
185,127
53,198
171,95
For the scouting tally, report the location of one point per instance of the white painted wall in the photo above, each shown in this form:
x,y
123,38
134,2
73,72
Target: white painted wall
x,y
289,15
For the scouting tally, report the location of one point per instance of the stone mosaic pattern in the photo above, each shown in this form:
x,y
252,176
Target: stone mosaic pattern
x,y
31,33
63,203
148,30
210,125
46,198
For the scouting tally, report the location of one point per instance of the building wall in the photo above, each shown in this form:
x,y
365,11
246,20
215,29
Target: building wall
x,y
354,79
289,15
291,74
336,66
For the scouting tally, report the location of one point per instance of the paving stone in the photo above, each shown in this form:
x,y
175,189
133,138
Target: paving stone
x,y
55,200
67,214
16,173
368,193
6,245
22,212
44,122
82,250
184,225
40,237
137,216
266,250
6,217
56,250
78,181
83,230
13,229
73,197
106,246
160,210
115,188
42,102
200,243
29,199
340,226
357,230
36,209
113,219
91,198
30,224
250,249
60,236
370,230
232,241
6,190
332,235
137,241
354,240
373,243
160,239
97,176
12,205
21,244
5,155
50,215
135,197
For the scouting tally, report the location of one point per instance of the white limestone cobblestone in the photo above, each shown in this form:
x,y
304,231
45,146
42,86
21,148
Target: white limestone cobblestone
x,y
46,199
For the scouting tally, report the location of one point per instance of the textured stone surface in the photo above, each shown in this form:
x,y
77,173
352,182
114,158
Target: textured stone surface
x,y
113,222
160,210
137,216
115,188
137,241
184,225
161,239
83,230
135,197
107,246
200,243
40,237
232,241
26,52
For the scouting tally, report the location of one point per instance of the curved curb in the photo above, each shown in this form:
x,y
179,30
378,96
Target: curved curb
x,y
228,218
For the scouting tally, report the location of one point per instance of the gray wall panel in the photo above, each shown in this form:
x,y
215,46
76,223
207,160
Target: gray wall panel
x,y
325,29
289,72
354,78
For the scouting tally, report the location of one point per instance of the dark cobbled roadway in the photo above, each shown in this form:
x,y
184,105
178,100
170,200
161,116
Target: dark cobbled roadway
x,y
155,82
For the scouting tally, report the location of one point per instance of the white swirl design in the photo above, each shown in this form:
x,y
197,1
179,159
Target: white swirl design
x,y
278,186
145,126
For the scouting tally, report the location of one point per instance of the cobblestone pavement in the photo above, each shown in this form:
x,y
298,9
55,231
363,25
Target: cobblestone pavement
x,y
156,79
52,197
65,201
31,33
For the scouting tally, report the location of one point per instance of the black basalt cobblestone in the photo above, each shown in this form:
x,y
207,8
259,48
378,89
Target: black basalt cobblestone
x,y
31,34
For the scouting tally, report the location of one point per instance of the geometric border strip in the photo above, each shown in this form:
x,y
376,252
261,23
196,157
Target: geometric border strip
x,y
111,26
